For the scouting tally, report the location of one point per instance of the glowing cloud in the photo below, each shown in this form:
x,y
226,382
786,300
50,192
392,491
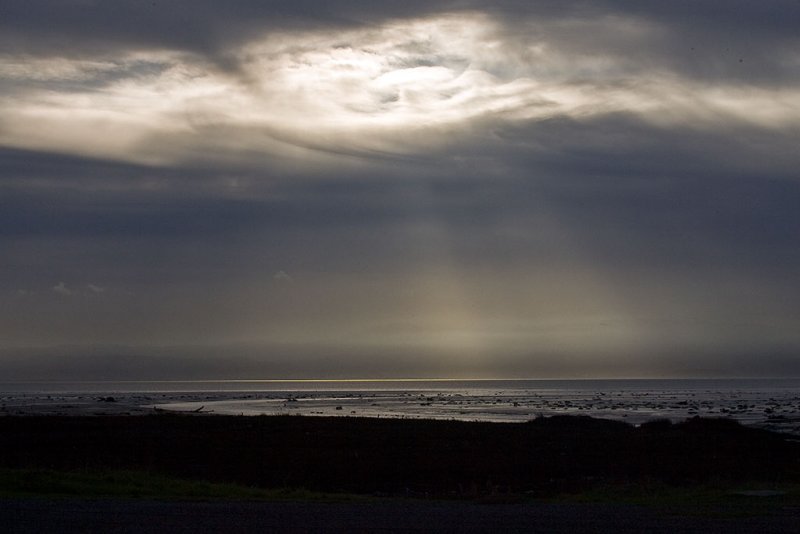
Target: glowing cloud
x,y
398,88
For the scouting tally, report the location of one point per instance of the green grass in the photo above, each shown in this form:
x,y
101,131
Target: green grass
x,y
141,485
707,500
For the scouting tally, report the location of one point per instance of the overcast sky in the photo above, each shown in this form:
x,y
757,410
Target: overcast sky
x,y
253,189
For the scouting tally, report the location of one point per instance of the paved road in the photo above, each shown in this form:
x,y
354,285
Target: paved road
x,y
70,516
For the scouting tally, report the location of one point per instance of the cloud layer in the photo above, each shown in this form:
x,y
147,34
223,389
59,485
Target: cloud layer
x,y
527,189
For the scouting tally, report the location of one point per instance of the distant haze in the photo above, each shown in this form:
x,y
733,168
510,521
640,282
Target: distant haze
x,y
249,189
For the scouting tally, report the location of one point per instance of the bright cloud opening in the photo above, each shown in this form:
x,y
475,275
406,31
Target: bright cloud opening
x,y
397,88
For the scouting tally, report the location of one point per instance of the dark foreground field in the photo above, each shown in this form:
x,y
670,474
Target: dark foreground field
x,y
459,476
545,457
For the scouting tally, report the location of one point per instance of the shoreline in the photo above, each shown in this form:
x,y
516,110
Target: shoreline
x,y
769,410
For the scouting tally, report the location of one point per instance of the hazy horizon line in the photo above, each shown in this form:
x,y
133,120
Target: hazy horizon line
x,y
367,380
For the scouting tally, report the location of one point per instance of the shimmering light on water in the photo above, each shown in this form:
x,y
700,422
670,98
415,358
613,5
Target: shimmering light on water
x,y
773,403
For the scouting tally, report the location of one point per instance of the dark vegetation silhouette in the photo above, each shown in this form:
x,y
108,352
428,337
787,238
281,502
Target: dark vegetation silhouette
x,y
543,457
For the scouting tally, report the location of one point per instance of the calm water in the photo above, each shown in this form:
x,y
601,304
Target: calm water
x,y
778,384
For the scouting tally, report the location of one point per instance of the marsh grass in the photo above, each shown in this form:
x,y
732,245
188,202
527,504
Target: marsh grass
x,y
143,485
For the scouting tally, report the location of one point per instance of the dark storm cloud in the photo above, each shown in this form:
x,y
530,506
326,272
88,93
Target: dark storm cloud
x,y
205,27
688,211
52,194
702,39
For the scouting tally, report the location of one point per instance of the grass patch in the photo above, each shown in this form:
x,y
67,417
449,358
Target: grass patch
x,y
142,485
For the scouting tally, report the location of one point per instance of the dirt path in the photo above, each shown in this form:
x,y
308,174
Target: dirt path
x,y
69,516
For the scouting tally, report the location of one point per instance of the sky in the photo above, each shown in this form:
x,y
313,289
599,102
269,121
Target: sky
x,y
195,189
